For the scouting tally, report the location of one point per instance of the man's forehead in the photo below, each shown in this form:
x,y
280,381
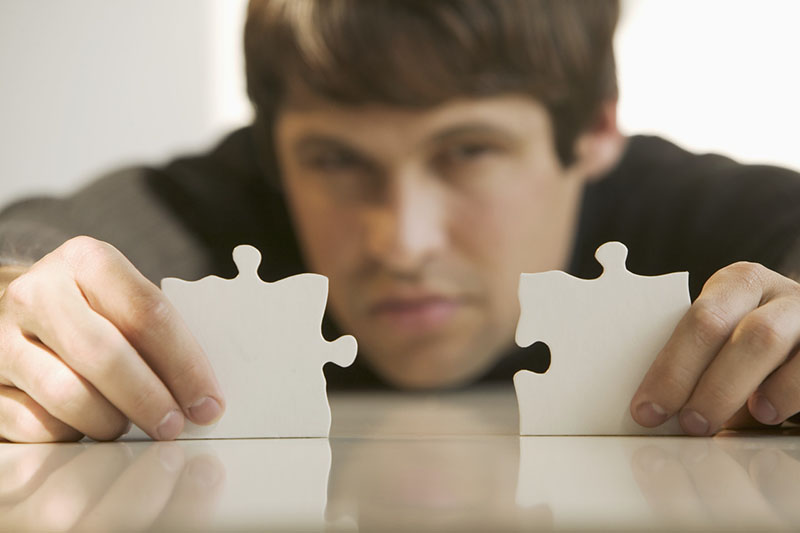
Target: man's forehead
x,y
504,109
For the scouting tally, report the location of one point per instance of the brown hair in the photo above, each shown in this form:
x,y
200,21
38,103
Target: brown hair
x,y
424,52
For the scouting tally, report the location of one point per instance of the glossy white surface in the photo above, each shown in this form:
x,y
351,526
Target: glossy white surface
x,y
406,461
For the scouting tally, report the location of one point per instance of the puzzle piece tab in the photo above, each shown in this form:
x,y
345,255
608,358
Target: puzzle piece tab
x,y
603,335
265,345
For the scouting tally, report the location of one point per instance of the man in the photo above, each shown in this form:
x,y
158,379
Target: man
x,y
421,155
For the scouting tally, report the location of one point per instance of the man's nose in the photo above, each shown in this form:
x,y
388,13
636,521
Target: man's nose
x,y
409,226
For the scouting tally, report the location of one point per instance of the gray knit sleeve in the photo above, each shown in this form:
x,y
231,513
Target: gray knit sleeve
x,y
121,209
182,219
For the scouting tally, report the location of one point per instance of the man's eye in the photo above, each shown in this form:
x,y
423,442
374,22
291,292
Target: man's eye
x,y
333,162
461,156
473,150
465,152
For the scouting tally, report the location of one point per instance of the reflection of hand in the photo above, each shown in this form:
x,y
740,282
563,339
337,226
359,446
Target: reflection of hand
x,y
733,348
87,343
97,487
777,476
698,483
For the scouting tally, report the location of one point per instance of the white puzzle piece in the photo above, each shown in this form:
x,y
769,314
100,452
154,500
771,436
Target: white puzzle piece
x,y
265,345
603,335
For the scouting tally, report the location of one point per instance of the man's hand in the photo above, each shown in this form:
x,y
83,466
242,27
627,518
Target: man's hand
x,y
735,347
87,344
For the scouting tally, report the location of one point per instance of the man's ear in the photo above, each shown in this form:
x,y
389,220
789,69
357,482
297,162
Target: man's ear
x,y
600,147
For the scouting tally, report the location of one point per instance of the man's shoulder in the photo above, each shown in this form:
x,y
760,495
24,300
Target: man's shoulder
x,y
650,158
678,210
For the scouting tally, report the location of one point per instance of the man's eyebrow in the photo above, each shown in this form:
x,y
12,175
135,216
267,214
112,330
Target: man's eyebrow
x,y
307,144
317,141
475,129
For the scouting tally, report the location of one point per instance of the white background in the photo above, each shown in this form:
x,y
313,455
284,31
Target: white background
x,y
87,85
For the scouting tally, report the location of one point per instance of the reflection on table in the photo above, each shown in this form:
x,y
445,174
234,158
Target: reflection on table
x,y
408,462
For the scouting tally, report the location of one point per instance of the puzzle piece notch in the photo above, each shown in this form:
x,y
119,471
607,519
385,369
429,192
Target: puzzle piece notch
x,y
622,319
265,344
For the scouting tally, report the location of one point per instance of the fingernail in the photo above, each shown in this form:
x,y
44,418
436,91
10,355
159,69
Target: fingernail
x,y
650,414
764,411
693,422
170,426
205,410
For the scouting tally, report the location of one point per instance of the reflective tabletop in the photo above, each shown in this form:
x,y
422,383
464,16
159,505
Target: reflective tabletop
x,y
408,461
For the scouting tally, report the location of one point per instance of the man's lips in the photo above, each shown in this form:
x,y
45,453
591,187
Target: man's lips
x,y
416,314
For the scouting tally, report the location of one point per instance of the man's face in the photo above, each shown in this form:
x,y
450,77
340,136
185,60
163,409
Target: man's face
x,y
423,219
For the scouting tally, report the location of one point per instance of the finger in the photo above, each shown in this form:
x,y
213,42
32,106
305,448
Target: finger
x,y
140,493
116,290
778,398
24,420
68,397
90,345
758,345
726,298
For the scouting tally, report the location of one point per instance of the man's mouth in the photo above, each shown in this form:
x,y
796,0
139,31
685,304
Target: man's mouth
x,y
418,314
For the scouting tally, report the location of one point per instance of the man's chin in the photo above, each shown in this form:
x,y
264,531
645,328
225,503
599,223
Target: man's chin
x,y
426,372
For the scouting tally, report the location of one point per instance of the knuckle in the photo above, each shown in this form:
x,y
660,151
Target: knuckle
x,y
79,245
759,335
149,312
675,386
794,288
21,292
60,389
709,323
751,274
187,374
718,397
84,250
148,403
143,399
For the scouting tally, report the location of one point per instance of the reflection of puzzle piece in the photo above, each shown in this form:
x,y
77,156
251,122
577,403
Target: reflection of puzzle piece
x,y
270,485
265,345
603,335
584,482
